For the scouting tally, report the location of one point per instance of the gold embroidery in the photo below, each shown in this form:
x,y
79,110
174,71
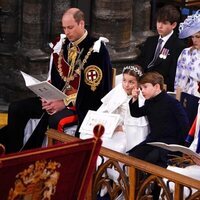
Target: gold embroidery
x,y
93,76
86,57
81,39
60,66
38,181
72,57
74,71
70,99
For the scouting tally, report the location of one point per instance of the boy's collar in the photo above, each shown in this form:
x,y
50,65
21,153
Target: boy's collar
x,y
158,96
166,37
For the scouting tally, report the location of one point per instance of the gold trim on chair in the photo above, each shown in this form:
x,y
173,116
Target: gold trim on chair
x,y
3,119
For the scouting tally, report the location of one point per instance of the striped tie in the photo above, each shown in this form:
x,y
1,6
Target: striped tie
x,y
157,51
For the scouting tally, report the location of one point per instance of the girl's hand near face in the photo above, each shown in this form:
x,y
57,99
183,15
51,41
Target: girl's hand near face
x,y
135,93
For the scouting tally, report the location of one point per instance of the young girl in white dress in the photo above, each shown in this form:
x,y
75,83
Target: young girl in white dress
x,y
130,131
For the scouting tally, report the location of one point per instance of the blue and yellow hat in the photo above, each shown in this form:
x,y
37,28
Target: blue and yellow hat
x,y
190,26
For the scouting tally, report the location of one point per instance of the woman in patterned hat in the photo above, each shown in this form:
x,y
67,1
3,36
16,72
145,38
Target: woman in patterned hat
x,y
188,66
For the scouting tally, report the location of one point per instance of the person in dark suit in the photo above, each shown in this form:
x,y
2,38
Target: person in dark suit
x,y
163,58
80,67
167,119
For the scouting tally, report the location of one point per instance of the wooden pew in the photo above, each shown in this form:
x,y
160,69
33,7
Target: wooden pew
x,y
130,182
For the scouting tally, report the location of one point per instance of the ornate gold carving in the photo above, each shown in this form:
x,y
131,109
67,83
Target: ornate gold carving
x,y
38,181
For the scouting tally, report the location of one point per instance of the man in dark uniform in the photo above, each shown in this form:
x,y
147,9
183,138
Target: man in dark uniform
x,y
160,53
79,66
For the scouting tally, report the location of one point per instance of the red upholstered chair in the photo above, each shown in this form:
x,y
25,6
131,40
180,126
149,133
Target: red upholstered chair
x,y
61,171
191,134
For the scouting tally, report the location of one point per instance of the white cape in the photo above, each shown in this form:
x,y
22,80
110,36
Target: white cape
x,y
136,129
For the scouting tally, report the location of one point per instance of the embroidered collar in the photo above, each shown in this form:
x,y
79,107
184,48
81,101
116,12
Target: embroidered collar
x,y
76,67
77,42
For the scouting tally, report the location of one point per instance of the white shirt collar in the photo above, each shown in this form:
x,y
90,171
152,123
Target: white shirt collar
x,y
166,38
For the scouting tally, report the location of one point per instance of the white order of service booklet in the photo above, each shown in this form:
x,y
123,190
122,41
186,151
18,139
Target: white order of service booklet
x,y
43,89
175,147
108,120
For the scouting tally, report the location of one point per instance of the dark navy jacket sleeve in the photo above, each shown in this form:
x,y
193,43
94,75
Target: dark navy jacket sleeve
x,y
182,121
135,110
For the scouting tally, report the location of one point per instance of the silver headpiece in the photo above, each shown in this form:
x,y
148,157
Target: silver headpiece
x,y
134,68
190,26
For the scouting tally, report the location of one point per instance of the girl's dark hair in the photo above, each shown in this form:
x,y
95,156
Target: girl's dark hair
x,y
133,70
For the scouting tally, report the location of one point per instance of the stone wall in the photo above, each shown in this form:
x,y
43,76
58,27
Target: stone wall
x,y
26,28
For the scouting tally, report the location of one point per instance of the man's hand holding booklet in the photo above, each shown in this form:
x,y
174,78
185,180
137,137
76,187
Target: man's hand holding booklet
x,y
43,89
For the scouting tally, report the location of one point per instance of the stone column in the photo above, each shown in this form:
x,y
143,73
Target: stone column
x,y
26,28
9,37
32,21
113,19
141,20
30,54
26,52
58,8
9,16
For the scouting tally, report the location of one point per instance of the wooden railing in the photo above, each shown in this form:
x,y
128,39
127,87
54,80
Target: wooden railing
x,y
136,177
194,3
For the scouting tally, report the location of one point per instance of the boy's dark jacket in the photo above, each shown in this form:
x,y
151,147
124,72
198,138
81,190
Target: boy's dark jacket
x,y
167,119
166,67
